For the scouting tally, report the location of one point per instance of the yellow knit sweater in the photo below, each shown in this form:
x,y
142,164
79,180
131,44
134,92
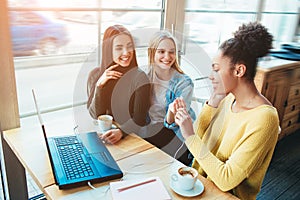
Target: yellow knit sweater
x,y
234,150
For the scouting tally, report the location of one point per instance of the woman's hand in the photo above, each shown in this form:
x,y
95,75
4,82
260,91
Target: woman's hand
x,y
183,119
108,74
176,104
112,136
173,107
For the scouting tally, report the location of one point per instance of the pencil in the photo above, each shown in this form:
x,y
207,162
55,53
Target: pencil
x,y
135,185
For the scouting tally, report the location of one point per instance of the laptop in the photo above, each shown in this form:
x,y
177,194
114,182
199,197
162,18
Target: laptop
x,y
79,159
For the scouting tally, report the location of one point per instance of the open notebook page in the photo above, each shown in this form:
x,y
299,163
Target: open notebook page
x,y
153,188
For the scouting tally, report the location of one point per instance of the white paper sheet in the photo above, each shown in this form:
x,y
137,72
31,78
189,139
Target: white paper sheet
x,y
149,191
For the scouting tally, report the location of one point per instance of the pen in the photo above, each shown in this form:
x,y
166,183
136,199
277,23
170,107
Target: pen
x,y
135,185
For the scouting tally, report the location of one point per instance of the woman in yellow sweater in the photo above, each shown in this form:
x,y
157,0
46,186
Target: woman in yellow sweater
x,y
236,132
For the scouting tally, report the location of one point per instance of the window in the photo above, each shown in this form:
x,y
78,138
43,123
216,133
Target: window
x,y
281,18
50,47
208,23
50,63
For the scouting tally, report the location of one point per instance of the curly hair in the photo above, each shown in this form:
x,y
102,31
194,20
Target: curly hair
x,y
250,42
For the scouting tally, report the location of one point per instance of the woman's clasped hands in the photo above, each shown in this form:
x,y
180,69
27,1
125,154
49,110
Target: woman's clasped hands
x,y
181,117
176,104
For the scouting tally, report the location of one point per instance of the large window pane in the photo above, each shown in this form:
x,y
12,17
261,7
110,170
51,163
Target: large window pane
x,y
37,33
281,6
149,4
213,27
54,85
228,5
211,22
208,23
281,17
52,67
282,26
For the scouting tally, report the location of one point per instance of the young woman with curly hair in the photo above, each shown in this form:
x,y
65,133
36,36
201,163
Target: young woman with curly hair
x,y
237,129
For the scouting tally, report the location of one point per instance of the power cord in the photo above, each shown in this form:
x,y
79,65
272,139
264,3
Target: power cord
x,y
156,169
103,192
178,150
141,172
91,186
94,188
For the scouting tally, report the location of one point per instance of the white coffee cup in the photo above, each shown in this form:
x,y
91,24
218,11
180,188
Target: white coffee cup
x,y
185,177
104,122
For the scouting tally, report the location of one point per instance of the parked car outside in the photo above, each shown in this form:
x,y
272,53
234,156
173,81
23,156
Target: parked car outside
x,y
32,31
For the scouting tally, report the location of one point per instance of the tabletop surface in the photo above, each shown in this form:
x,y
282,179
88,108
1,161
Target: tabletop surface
x,y
135,156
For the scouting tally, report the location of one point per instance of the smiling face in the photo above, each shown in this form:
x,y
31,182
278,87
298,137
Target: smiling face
x,y
122,50
165,54
222,76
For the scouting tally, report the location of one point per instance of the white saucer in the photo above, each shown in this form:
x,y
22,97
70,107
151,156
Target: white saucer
x,y
198,189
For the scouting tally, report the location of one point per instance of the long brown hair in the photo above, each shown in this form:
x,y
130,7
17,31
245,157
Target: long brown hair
x,y
107,49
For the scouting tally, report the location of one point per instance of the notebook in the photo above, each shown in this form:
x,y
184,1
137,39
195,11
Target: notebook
x,y
79,159
146,189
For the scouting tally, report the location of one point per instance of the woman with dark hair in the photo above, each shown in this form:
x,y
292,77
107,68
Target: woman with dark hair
x,y
237,129
118,87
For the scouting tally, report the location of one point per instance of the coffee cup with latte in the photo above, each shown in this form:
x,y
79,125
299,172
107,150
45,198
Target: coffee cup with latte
x,y
185,177
104,123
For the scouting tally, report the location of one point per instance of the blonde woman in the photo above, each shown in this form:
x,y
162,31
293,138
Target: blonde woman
x,y
169,84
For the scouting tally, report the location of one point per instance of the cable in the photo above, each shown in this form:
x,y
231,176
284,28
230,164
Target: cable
x,y
178,150
165,164
94,188
91,186
103,192
75,129
156,169
149,171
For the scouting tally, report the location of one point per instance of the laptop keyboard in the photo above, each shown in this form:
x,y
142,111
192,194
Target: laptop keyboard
x,y
73,158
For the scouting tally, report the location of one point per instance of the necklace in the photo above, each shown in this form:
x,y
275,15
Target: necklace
x,y
235,108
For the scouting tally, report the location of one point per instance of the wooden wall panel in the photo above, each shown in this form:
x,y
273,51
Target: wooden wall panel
x,y
9,111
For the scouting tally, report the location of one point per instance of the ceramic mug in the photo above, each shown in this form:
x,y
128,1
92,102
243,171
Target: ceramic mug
x,y
104,122
185,177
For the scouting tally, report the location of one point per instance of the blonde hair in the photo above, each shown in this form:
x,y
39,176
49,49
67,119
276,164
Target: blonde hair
x,y
153,44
